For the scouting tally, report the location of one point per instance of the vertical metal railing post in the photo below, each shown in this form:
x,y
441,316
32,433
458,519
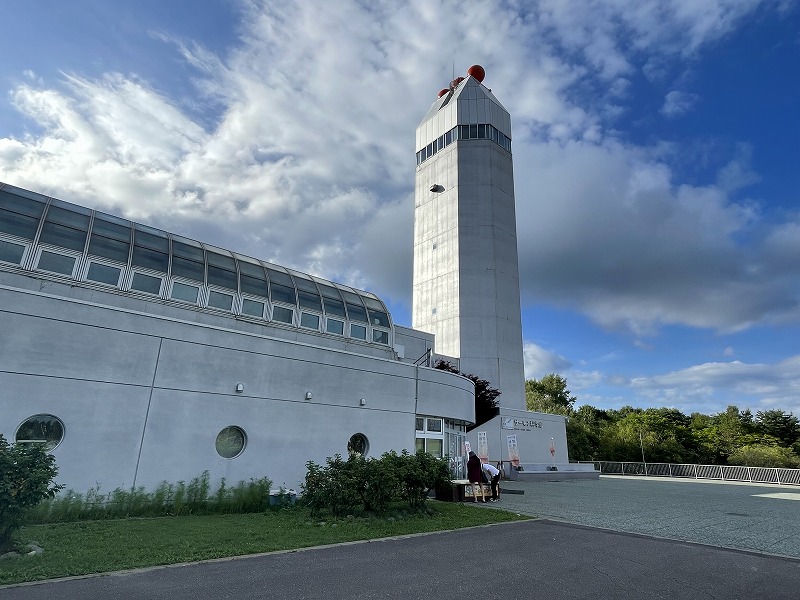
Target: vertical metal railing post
x,y
695,471
670,470
721,474
749,475
777,476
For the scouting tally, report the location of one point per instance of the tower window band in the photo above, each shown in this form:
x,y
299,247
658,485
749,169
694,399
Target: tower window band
x,y
465,132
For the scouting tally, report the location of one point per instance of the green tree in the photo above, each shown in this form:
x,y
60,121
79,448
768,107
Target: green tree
x,y
582,441
549,394
660,433
763,455
486,403
26,478
780,425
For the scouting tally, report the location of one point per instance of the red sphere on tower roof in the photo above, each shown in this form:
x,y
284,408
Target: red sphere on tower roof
x,y
477,72
443,92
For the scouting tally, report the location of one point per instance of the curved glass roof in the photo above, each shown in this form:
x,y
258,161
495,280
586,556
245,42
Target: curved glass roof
x,y
34,217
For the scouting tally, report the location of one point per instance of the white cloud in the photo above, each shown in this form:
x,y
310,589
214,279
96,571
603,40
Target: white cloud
x,y
678,103
634,250
719,384
540,362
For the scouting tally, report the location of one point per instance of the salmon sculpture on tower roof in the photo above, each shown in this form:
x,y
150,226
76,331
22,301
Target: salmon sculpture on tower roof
x,y
475,71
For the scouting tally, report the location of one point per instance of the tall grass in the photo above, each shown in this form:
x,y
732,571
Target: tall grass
x,y
167,499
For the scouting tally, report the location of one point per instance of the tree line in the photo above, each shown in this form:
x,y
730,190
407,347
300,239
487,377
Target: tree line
x,y
770,438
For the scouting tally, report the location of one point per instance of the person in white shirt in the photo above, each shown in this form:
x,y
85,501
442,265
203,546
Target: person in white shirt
x,y
493,475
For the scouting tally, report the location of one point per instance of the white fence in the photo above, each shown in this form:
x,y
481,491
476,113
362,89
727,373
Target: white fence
x,y
718,472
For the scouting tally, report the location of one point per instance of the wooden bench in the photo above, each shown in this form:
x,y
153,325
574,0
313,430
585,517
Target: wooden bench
x,y
461,490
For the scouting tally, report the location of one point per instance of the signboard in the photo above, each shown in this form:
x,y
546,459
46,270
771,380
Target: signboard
x,y
520,424
513,449
483,447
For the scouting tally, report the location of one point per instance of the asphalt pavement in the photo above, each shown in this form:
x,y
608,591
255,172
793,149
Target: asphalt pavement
x,y
582,554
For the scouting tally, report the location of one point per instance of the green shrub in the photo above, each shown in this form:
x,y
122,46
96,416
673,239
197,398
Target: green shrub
x,y
419,474
26,478
759,455
358,484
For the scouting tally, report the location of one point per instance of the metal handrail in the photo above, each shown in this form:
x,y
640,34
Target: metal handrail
x,y
778,475
424,359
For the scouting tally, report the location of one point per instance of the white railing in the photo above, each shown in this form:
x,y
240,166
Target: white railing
x,y
719,472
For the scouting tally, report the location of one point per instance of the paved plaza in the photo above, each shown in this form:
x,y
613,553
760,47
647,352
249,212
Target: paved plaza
x,y
756,517
573,552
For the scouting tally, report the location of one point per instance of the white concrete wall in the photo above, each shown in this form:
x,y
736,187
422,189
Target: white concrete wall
x,y
143,396
533,442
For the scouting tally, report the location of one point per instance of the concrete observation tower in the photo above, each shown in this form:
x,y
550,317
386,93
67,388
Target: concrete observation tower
x,y
466,272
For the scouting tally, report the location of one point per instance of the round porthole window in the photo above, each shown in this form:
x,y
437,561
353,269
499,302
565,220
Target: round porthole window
x,y
358,444
41,429
231,442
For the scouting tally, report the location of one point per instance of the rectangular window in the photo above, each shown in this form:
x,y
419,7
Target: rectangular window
x,y
150,259
19,225
309,321
435,425
221,277
334,326
11,253
21,205
282,293
108,248
481,132
56,263
253,285
189,269
357,313
420,445
334,307
56,234
420,424
219,300
358,332
252,308
379,318
103,274
309,300
473,132
107,227
448,138
282,315
146,283
184,293
434,447
380,337
110,238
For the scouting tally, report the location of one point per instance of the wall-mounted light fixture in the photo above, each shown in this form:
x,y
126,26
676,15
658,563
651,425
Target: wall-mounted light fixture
x,y
363,401
436,188
309,395
240,387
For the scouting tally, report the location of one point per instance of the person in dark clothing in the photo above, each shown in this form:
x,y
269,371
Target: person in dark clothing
x,y
475,476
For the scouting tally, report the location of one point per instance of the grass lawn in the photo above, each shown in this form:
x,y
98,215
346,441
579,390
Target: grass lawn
x,y
84,547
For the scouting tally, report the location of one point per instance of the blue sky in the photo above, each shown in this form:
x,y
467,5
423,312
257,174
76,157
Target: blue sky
x,y
655,153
